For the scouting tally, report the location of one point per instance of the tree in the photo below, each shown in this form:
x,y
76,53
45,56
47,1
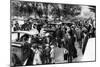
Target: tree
x,y
71,10
65,10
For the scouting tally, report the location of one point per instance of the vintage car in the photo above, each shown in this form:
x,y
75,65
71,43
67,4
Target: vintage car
x,y
18,54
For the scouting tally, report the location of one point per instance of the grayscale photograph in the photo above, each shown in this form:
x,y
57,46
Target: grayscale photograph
x,y
43,33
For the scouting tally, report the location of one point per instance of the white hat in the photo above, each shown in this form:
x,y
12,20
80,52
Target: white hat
x,y
52,46
47,34
46,44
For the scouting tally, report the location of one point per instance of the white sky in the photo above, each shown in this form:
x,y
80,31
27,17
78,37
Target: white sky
x,y
85,12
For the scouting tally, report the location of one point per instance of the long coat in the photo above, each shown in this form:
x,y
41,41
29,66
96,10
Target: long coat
x,y
69,45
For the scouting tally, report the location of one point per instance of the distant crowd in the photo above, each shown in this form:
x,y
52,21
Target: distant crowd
x,y
55,42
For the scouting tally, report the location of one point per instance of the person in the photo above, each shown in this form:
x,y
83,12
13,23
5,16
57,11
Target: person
x,y
52,54
58,34
34,30
47,38
42,32
47,53
28,53
79,51
69,45
79,35
17,27
37,59
59,54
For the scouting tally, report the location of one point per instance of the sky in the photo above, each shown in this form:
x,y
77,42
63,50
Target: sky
x,y
85,12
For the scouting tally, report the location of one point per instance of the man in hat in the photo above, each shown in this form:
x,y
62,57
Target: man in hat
x,y
47,54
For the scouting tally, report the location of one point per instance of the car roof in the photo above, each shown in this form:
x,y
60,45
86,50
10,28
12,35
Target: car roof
x,y
23,32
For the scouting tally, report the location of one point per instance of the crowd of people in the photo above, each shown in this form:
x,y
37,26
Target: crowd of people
x,y
55,42
57,33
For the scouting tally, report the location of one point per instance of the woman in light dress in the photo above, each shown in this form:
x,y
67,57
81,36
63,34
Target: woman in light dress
x,y
36,59
52,54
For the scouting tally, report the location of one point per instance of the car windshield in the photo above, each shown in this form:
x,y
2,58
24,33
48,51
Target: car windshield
x,y
22,37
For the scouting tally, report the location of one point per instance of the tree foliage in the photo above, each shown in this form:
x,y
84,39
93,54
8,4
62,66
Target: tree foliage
x,y
27,8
